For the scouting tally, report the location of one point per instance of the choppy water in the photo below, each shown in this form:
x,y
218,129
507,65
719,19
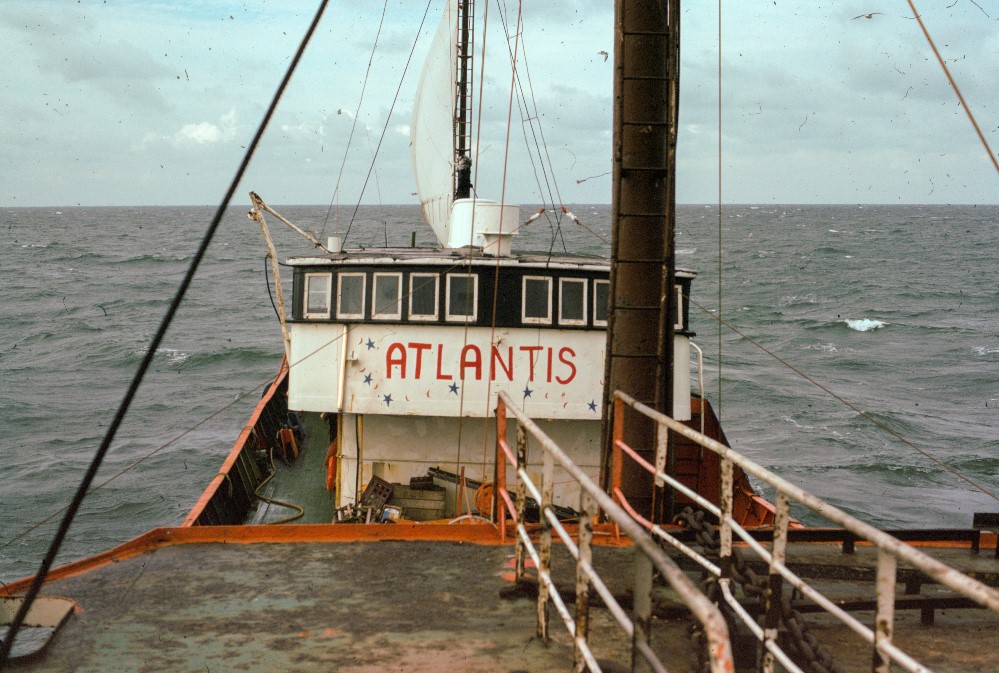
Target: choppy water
x,y
894,308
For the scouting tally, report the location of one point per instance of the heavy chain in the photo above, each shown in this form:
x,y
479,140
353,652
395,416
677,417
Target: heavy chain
x,y
799,644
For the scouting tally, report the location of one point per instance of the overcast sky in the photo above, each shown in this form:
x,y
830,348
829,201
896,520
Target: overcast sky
x,y
152,103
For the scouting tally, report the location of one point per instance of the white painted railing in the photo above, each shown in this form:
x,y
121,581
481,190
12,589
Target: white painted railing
x,y
650,556
890,550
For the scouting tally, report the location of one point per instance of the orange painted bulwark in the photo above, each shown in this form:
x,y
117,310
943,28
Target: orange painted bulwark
x,y
482,534
230,461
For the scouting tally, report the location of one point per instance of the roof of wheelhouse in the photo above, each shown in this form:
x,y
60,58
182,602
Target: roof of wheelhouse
x,y
449,256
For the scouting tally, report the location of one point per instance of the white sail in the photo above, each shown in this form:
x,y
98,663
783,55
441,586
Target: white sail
x,y
432,132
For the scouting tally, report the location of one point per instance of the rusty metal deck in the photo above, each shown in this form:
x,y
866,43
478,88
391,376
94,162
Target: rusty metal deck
x,y
406,605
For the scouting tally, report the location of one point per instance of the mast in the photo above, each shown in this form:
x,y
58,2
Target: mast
x,y
643,303
463,102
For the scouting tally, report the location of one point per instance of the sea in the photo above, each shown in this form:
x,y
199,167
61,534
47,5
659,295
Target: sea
x,y
817,320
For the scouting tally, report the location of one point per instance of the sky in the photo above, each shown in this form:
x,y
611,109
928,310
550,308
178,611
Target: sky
x,y
114,102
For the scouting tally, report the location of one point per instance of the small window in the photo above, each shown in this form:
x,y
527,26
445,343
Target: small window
x,y
350,296
317,295
423,288
386,297
601,302
462,296
679,308
572,301
537,300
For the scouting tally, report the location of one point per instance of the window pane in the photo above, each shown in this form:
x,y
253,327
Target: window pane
x,y
461,295
537,299
317,295
351,295
572,307
423,296
601,297
386,299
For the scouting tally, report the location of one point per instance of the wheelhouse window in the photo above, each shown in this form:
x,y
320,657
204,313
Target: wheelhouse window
x,y
317,295
350,296
537,300
572,301
387,296
423,291
601,301
462,296
679,308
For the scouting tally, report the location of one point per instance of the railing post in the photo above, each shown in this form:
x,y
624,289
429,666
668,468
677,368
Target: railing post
x,y
587,510
725,532
521,497
885,619
775,586
664,511
617,465
642,613
499,470
545,555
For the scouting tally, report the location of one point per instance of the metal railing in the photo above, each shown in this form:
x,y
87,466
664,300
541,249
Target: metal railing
x,y
650,556
890,550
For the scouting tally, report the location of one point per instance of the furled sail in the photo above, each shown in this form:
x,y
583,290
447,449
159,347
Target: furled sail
x,y
432,131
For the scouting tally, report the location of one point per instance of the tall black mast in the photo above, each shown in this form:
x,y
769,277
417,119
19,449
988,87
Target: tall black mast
x,y
463,103
643,301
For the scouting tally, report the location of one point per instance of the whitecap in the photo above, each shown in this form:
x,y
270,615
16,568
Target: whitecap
x,y
864,324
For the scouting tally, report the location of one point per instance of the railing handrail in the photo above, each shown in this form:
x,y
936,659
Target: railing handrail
x,y
706,612
935,569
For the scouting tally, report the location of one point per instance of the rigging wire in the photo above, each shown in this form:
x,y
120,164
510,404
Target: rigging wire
x,y
953,84
91,473
468,258
357,113
843,400
528,119
388,119
267,282
718,410
502,200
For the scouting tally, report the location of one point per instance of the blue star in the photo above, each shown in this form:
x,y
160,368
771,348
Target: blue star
x,y
453,388
367,379
592,405
527,392
370,344
388,399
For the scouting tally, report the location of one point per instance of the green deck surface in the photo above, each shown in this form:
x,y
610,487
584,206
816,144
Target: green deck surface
x,y
303,483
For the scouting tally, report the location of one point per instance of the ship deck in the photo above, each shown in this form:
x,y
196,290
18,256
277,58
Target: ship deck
x,y
341,598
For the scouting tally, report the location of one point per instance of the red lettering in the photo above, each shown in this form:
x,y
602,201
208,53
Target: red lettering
x,y
532,351
550,358
440,361
569,363
398,361
419,356
507,366
471,362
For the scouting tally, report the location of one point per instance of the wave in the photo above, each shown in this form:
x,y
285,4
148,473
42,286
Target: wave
x,y
864,324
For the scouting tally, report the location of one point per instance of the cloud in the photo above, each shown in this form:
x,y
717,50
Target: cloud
x,y
204,133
